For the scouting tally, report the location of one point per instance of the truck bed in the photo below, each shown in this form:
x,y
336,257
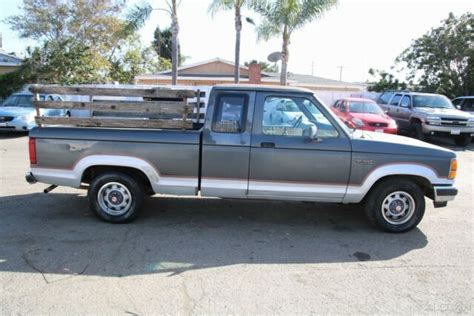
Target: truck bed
x,y
173,154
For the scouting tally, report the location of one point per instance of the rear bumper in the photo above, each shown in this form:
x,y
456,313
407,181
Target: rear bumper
x,y
444,193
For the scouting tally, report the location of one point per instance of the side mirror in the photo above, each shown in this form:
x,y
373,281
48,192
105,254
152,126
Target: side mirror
x,y
310,132
458,107
386,112
343,108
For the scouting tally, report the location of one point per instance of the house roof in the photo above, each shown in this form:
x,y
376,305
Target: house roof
x,y
320,81
8,60
209,61
194,72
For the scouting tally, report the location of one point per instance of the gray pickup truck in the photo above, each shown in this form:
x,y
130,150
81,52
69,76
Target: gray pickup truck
x,y
257,142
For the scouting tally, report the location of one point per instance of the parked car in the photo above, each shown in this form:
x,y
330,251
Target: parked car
x,y
18,114
424,114
364,114
240,152
464,104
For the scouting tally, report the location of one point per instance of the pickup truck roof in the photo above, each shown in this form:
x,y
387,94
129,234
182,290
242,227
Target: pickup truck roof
x,y
261,88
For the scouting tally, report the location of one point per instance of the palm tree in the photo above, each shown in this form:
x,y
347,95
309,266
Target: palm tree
x,y
138,17
283,17
237,6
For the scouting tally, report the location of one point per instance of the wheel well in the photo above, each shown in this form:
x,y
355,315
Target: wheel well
x,y
423,183
415,120
93,171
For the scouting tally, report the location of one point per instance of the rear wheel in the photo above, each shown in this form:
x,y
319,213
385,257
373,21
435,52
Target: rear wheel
x,y
395,205
115,197
463,140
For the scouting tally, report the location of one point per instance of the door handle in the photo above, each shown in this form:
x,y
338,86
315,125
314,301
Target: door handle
x,y
267,145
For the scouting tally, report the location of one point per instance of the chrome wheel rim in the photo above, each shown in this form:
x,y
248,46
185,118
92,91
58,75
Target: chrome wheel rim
x,y
398,207
114,198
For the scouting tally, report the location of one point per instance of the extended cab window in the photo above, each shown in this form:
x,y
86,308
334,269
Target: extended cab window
x,y
292,116
230,113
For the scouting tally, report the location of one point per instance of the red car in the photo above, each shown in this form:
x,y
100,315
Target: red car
x,y
364,114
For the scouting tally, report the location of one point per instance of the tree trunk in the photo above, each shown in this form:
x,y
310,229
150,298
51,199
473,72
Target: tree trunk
x,y
174,44
285,56
238,29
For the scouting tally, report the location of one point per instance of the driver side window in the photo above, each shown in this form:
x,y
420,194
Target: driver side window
x,y
287,116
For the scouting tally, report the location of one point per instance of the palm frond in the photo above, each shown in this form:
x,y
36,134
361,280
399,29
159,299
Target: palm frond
x,y
136,18
312,10
266,30
221,5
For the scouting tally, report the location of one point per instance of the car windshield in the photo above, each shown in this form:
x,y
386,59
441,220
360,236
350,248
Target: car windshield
x,y
431,101
364,107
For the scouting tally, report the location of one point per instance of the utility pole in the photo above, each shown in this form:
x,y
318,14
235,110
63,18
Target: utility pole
x,y
340,71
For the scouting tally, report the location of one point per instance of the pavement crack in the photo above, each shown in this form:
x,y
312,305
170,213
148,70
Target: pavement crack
x,y
32,266
43,273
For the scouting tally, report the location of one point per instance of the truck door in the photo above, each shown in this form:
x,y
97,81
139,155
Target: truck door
x,y
286,163
226,144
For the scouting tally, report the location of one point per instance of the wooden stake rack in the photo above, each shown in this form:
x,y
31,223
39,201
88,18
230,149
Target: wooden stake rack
x,y
161,107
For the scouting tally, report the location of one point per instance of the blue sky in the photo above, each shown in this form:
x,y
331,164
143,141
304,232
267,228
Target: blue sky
x,y
358,34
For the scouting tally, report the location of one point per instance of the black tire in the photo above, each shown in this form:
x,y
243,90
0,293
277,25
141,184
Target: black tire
x,y
463,140
417,131
410,195
123,189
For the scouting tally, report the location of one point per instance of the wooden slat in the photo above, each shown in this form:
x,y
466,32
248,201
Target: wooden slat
x,y
115,106
102,122
157,92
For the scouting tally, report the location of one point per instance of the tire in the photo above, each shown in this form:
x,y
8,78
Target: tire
x,y
384,200
115,197
463,140
417,131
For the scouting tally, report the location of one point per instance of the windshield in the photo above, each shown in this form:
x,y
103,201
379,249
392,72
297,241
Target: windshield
x,y
431,101
364,107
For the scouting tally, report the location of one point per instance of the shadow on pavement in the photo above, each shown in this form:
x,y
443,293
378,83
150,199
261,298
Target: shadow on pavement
x,y
449,144
55,235
8,135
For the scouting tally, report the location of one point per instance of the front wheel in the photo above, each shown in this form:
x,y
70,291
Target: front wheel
x,y
115,197
395,205
417,131
463,140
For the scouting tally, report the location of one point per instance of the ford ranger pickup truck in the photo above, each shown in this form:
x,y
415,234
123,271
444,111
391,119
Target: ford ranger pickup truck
x,y
257,142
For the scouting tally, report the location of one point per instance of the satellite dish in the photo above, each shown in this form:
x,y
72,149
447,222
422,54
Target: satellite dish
x,y
274,57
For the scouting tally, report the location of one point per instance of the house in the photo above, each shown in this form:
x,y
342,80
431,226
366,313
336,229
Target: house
x,y
219,71
8,63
